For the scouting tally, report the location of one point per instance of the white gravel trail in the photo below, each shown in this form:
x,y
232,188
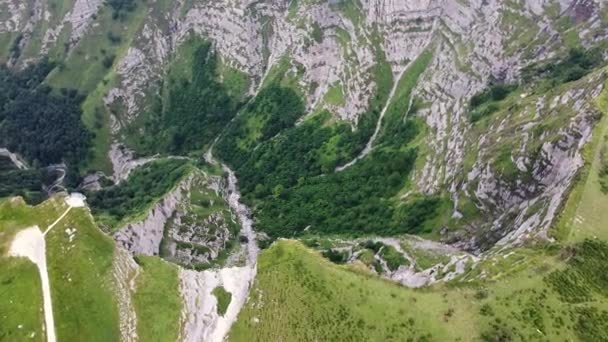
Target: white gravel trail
x,y
29,243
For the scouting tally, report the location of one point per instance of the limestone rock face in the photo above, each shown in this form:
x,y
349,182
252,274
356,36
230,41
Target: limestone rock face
x,y
145,236
339,44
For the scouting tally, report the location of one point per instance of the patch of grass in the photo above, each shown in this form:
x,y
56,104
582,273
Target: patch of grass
x,y
335,95
393,258
21,317
424,259
235,81
300,296
81,280
394,124
584,214
157,301
223,299
79,268
307,298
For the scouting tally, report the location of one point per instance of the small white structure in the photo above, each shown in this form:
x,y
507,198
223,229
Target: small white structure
x,y
75,200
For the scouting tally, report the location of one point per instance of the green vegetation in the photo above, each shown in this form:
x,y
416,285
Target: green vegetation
x,y
80,272
157,301
395,126
584,213
82,285
223,299
336,256
144,186
85,68
41,126
308,298
335,95
20,301
486,102
275,108
575,65
194,106
603,171
424,258
20,289
24,183
393,258
290,177
120,7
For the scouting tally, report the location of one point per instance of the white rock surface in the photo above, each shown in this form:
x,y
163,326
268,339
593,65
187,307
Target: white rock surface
x,y
29,243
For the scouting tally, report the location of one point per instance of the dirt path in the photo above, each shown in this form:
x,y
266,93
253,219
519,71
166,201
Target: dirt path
x,y
30,243
370,143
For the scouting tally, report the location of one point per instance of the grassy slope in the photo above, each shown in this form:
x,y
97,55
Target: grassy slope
x,y
84,70
20,299
157,302
81,280
586,212
300,296
79,272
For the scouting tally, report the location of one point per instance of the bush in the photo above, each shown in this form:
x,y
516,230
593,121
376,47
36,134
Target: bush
x,y
496,92
336,256
575,65
223,299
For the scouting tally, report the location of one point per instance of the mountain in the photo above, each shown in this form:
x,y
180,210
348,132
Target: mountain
x,y
451,145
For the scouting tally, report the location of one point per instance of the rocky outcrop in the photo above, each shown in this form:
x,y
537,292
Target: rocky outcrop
x,y
124,161
125,271
543,163
200,318
15,158
145,236
202,226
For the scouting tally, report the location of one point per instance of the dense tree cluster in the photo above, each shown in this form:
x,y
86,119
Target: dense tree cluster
x,y
120,8
24,183
43,127
290,178
194,112
575,65
274,109
145,185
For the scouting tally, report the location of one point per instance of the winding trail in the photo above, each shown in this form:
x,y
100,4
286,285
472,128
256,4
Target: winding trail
x,y
370,143
30,243
15,159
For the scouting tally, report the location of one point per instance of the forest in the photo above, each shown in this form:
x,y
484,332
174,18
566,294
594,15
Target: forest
x,y
290,178
193,112
24,183
144,186
40,124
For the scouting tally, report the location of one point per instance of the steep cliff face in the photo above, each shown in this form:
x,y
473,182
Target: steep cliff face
x,y
340,56
192,225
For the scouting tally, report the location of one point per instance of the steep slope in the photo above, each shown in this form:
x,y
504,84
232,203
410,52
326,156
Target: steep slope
x,y
350,62
526,296
454,145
